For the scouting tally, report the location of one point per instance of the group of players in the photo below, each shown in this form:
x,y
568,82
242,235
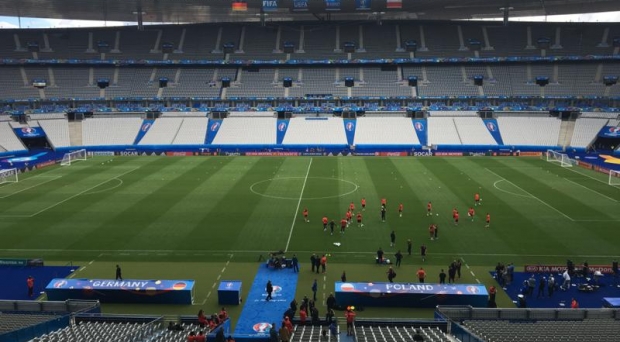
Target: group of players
x,y
347,220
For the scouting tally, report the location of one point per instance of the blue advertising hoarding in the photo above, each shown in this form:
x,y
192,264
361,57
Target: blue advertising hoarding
x,y
270,5
122,291
300,5
29,132
418,295
332,5
609,132
362,5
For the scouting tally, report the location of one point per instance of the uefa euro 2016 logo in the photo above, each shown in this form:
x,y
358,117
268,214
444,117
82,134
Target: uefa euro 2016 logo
x,y
261,327
146,127
282,126
28,130
491,126
215,126
419,126
350,126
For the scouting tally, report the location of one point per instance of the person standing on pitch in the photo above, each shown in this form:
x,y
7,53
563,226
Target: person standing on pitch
x,y
269,288
315,287
392,239
119,274
383,210
295,263
399,258
409,245
30,284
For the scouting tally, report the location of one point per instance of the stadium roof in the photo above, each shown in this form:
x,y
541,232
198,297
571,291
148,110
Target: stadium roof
x,y
192,11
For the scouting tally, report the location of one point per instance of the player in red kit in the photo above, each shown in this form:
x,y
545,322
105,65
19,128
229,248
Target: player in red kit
x,y
352,207
349,217
477,199
306,215
325,221
359,220
488,221
343,225
471,213
454,211
429,209
431,231
363,203
456,218
383,202
400,210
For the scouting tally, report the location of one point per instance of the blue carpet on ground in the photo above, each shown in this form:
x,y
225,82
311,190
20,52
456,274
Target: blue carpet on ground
x,y
560,298
258,314
13,284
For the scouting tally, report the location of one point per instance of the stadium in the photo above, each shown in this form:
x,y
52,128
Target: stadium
x,y
374,170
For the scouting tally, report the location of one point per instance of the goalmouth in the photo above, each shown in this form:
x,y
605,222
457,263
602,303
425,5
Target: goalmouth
x,y
557,157
614,177
9,176
70,157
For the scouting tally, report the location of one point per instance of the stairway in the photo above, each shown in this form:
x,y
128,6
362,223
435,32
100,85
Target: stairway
x,y
567,128
75,133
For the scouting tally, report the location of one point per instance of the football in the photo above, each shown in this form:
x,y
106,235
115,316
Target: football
x,y
437,214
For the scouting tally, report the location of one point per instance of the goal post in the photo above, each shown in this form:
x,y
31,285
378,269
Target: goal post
x,y
557,157
70,157
614,177
9,176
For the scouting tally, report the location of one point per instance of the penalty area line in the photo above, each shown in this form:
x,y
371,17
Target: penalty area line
x,y
301,195
534,197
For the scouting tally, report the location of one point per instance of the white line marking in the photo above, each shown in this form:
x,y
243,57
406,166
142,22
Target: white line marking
x,y
91,262
472,274
219,276
223,269
301,194
594,191
80,193
208,295
534,197
105,190
583,174
477,280
30,187
213,285
506,191
79,270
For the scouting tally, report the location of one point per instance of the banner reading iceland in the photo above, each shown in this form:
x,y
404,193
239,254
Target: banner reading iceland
x,y
29,132
123,291
270,5
418,295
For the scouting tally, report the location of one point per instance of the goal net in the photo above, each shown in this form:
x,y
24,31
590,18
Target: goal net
x,y
70,157
8,176
614,177
557,157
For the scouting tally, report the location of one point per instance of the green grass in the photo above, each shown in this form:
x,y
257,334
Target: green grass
x,y
164,217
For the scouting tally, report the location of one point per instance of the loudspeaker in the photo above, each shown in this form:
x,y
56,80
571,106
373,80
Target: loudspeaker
x,y
349,82
543,42
288,47
411,46
163,82
225,82
33,46
348,47
103,46
478,80
228,47
287,82
103,83
167,47
39,83
412,81
542,80
475,44
610,80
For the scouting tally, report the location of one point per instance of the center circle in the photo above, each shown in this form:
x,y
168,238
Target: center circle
x,y
286,183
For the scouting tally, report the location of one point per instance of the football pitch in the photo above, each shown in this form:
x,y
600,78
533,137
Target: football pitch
x,y
189,217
